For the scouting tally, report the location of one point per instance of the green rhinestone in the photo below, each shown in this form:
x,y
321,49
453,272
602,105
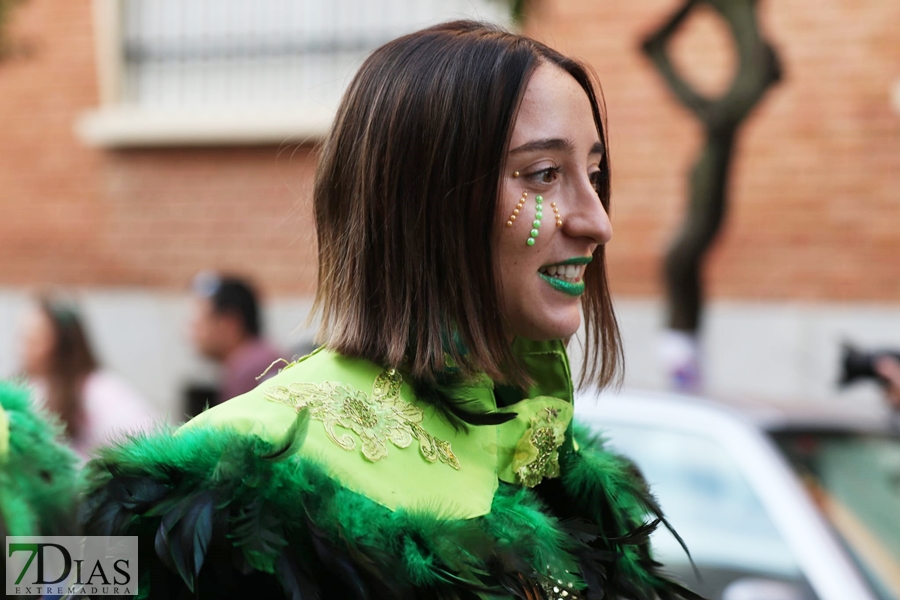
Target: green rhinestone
x,y
537,223
534,233
530,241
539,199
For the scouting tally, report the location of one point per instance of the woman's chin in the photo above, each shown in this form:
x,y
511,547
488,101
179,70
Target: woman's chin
x,y
551,329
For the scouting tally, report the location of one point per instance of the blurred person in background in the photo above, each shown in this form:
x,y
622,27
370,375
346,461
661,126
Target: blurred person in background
x,y
888,368
226,328
93,404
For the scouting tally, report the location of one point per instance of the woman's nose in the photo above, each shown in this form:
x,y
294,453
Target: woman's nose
x,y
587,219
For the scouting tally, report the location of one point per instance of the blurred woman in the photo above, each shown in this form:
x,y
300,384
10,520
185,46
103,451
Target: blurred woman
x,y
93,404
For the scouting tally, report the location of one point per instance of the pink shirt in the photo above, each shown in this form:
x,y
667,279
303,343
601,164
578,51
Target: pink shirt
x,y
245,365
112,408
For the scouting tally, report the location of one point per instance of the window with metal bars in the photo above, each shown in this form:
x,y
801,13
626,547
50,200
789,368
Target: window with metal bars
x,y
265,53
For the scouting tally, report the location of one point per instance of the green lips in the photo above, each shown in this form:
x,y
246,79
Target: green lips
x,y
566,287
578,260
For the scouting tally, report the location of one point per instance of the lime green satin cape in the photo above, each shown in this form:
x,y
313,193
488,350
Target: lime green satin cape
x,y
403,477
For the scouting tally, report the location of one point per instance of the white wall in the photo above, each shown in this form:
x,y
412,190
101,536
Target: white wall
x,y
786,352
782,352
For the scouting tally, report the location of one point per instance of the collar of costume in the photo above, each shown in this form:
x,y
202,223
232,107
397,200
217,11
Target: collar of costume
x,y
368,431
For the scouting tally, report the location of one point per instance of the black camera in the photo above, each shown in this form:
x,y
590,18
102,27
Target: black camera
x,y
859,364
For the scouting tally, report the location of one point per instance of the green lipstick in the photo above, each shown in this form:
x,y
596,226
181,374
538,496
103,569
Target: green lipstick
x,y
561,285
578,260
566,287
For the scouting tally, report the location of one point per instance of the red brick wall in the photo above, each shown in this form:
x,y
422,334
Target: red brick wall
x,y
50,211
72,215
813,212
814,194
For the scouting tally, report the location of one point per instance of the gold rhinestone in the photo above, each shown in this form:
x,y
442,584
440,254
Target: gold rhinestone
x,y
512,218
553,204
516,211
524,194
515,173
559,223
509,223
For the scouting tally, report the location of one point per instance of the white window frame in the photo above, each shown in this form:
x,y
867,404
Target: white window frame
x,y
116,125
119,124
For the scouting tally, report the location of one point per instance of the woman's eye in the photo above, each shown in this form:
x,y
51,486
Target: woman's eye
x,y
548,175
598,178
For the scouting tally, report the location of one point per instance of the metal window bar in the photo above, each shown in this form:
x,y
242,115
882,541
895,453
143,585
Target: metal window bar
x,y
266,53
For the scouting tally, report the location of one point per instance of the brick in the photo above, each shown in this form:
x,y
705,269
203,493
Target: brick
x,y
813,209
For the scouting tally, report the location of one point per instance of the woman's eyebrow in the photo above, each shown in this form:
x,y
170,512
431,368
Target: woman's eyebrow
x,y
558,144
562,144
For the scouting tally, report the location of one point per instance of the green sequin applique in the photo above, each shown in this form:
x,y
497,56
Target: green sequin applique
x,y
376,419
537,453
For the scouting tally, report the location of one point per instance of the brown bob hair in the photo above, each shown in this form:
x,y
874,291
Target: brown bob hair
x,y
405,201
71,361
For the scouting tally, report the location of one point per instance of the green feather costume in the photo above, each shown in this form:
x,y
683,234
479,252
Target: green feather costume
x,y
338,479
37,473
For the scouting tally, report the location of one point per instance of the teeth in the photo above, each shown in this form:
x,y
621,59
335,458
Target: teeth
x,y
572,272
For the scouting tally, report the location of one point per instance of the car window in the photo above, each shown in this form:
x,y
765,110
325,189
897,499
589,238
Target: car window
x,y
712,506
854,478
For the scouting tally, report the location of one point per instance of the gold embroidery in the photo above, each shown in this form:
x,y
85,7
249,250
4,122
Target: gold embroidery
x,y
556,589
377,419
537,453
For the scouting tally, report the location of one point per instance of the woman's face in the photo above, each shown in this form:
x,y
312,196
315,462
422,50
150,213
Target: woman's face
x,y
37,343
555,153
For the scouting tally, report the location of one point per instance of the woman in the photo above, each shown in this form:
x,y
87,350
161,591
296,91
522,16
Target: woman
x,y
427,450
93,404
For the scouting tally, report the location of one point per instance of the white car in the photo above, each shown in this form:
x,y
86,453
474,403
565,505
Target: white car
x,y
773,505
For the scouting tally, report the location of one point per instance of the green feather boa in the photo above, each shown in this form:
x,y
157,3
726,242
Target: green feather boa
x,y
224,514
37,473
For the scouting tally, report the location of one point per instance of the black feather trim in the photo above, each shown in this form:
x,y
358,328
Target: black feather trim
x,y
184,534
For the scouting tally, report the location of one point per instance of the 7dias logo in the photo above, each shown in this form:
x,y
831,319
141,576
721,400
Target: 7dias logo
x,y
71,566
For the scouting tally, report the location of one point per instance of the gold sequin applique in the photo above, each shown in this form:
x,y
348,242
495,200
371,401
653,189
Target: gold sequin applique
x,y
377,419
537,453
556,589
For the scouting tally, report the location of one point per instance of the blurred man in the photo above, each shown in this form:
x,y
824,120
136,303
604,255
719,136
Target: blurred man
x,y
889,368
226,328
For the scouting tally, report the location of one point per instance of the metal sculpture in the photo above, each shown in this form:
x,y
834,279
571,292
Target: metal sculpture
x,y
758,69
